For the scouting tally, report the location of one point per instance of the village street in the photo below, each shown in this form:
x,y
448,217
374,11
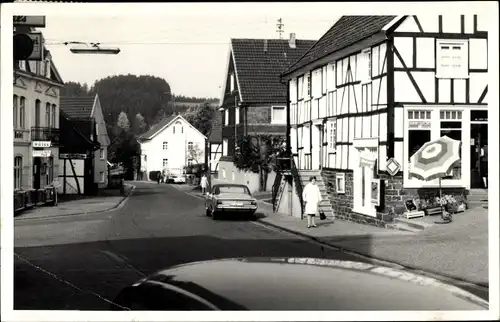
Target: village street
x,y
82,261
70,262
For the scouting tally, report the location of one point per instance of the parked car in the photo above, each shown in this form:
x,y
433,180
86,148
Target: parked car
x,y
230,198
292,284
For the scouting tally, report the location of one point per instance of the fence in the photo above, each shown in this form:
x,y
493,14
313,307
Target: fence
x,y
28,199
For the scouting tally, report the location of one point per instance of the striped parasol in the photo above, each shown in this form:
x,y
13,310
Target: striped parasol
x,y
435,159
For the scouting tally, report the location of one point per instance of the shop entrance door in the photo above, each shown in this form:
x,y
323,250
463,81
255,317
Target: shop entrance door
x,y
479,138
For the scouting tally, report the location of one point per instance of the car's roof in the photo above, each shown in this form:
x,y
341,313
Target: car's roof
x,y
313,284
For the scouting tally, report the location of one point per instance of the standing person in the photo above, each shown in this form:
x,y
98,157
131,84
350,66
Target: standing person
x,y
484,165
312,197
158,177
203,183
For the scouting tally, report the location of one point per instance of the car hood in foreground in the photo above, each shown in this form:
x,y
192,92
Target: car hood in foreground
x,y
299,284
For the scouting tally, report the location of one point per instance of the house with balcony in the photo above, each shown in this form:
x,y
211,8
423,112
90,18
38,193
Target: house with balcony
x,y
36,122
373,90
171,145
253,99
86,115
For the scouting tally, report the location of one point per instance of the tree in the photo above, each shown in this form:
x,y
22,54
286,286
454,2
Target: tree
x,y
73,89
201,117
259,154
139,125
195,153
123,122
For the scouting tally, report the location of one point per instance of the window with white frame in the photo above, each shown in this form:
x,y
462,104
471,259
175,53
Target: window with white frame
x,y
236,115
15,112
18,172
331,126
452,59
226,117
308,85
165,146
340,182
365,67
324,79
278,115
22,111
300,84
231,82
165,163
54,119
102,154
225,146
102,176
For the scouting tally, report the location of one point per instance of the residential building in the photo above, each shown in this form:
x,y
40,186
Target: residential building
x,y
370,92
36,122
253,99
171,145
81,109
215,144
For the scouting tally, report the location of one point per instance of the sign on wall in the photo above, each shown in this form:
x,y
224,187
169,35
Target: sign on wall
x,y
29,21
42,153
78,156
419,125
392,167
41,144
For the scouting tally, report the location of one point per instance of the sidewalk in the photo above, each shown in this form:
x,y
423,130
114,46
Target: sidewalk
x,y
458,250
79,206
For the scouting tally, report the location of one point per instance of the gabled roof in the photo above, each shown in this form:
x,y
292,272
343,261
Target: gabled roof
x,y
345,32
77,107
258,71
157,128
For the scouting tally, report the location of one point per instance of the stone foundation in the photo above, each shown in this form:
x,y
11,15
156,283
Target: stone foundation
x,y
394,193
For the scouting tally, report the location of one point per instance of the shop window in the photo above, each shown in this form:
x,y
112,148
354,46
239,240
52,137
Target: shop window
x,y
451,126
18,172
419,131
340,182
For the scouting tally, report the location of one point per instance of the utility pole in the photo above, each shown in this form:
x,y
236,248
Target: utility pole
x,y
280,27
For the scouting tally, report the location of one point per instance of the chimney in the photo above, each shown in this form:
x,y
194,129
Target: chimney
x,y
265,45
291,42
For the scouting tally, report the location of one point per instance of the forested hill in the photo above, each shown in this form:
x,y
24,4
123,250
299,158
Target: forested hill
x,y
148,96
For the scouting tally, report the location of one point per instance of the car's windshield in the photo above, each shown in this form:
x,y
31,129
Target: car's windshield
x,y
233,189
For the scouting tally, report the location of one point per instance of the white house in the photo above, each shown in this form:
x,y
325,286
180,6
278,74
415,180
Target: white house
x,y
36,122
361,104
171,145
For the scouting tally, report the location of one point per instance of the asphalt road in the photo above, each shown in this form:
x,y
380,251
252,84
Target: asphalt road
x,y
81,262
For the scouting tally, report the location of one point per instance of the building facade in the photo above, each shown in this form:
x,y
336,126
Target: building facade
x,y
253,99
36,122
368,100
79,109
171,145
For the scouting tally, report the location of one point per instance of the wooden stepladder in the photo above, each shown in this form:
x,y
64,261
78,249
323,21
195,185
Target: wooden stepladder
x,y
280,193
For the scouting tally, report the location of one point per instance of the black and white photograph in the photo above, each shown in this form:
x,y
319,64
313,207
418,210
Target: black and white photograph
x,y
251,159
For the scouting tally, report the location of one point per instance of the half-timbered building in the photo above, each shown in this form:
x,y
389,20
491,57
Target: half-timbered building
x,y
253,99
370,92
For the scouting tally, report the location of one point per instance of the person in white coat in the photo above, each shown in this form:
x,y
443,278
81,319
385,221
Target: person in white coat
x,y
204,183
312,197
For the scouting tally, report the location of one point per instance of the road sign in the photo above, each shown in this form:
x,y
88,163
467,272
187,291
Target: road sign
x,y
29,21
392,167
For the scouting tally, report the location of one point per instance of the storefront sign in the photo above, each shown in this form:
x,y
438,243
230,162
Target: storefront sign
x,y
419,125
392,167
42,153
78,156
41,144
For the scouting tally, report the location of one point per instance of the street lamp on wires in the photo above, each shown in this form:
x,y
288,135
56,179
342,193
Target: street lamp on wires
x,y
92,48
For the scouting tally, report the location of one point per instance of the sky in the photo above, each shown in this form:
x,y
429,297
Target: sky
x,y
188,47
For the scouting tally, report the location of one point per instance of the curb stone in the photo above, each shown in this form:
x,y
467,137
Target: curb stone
x,y
118,205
